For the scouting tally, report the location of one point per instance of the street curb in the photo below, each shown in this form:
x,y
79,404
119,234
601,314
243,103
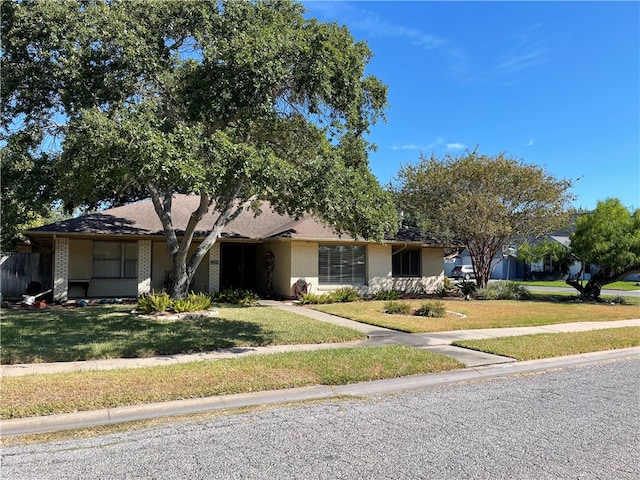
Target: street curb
x,y
67,421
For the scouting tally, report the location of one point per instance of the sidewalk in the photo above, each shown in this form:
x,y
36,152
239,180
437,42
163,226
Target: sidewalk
x,y
439,342
478,366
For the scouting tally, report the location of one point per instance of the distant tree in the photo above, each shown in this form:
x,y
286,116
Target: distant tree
x,y
608,237
24,198
484,202
547,251
234,101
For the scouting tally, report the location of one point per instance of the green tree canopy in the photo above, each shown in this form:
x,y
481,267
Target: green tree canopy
x,y
236,102
608,237
484,202
547,251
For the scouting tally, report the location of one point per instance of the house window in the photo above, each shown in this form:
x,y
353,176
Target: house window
x,y
342,264
405,262
115,260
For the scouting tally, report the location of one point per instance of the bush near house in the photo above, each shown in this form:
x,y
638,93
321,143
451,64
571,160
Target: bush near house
x,y
503,291
159,302
341,295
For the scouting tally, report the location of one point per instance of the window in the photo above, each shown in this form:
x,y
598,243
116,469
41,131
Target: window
x,y
405,262
342,264
115,260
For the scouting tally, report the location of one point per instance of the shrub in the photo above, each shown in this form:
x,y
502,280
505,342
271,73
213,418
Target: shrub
x,y
619,300
345,294
397,307
192,303
312,298
467,288
387,295
431,309
447,288
503,291
236,296
154,302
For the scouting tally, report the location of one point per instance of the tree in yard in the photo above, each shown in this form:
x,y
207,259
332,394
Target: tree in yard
x,y
608,237
234,101
555,254
483,202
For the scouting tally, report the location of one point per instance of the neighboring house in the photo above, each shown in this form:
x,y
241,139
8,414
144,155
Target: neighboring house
x,y
506,266
503,266
121,252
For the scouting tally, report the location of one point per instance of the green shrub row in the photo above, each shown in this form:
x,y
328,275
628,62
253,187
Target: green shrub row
x,y
158,302
341,295
236,296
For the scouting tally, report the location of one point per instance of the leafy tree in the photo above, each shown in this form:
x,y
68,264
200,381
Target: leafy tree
x,y
484,202
608,237
24,198
545,250
237,102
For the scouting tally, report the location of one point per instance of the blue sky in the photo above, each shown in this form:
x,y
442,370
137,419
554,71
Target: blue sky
x,y
556,84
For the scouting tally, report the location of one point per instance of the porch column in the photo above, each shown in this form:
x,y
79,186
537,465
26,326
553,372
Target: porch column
x,y
144,266
61,269
214,268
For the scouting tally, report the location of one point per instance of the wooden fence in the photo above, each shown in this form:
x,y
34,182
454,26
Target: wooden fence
x,y
17,270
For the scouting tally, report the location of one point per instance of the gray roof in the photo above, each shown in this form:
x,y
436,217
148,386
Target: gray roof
x,y
140,218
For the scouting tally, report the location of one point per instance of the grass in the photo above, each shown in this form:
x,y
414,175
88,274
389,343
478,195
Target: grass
x,y
100,332
35,395
628,286
546,345
483,314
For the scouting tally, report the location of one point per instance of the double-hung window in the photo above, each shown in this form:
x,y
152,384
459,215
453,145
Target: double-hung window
x,y
342,264
405,262
115,259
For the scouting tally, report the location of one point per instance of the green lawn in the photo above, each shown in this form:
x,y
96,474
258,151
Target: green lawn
x,y
482,314
34,395
106,331
546,345
628,286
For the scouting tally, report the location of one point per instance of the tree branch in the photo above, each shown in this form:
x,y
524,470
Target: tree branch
x,y
162,207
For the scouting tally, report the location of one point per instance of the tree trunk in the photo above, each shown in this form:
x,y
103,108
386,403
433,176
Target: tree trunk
x,y
181,280
591,291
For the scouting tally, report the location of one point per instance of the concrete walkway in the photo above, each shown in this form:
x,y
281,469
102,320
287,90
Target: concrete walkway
x,y
479,366
439,342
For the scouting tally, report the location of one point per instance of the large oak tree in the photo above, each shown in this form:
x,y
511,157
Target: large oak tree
x,y
235,101
484,202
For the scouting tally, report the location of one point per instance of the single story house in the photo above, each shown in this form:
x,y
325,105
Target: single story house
x,y
121,252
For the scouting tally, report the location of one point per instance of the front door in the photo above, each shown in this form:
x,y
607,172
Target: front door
x,y
237,266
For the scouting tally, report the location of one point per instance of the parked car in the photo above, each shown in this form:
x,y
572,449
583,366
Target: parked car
x,y
463,271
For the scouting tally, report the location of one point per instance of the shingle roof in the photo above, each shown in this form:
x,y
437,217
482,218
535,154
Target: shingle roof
x,y
140,219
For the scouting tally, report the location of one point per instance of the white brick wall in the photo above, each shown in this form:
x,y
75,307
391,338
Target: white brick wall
x,y
213,263
61,269
144,266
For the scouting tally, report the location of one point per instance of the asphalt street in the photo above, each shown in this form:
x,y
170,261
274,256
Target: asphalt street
x,y
580,421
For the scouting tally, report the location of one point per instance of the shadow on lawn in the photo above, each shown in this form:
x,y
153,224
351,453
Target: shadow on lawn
x,y
69,335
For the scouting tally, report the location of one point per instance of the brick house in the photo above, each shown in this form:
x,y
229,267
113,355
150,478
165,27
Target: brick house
x,y
121,252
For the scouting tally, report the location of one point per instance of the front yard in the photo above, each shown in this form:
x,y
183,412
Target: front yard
x,y
482,314
108,331
59,334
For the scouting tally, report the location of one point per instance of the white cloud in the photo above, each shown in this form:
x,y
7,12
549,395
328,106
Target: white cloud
x,y
414,146
530,142
406,146
456,146
375,26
